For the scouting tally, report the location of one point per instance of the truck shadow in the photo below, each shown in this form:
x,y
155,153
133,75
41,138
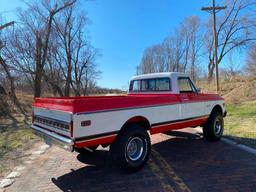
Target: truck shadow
x,y
184,153
100,173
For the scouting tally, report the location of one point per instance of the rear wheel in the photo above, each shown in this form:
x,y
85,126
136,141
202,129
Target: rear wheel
x,y
132,148
213,129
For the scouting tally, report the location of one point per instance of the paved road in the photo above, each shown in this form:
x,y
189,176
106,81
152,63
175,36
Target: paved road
x,y
182,161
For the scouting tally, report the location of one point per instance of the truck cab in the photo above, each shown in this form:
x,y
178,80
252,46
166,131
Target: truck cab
x,y
194,102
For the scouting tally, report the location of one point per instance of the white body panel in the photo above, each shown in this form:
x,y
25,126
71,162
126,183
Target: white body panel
x,y
114,120
196,109
104,122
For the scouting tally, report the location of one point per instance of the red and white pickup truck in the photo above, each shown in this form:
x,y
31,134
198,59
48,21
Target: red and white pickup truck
x,y
156,103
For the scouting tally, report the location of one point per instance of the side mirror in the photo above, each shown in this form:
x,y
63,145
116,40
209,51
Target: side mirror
x,y
199,90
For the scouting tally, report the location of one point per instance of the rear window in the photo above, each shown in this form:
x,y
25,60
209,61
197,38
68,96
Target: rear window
x,y
150,85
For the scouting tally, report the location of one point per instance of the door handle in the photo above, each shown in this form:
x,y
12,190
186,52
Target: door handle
x,y
185,99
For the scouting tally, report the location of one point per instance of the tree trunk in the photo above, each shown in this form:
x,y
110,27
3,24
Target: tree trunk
x,y
12,92
2,90
69,78
211,67
55,87
39,67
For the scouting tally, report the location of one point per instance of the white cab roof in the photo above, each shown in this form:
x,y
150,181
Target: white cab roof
x,y
157,75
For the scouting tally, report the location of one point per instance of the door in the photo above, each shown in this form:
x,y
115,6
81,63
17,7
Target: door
x,y
191,104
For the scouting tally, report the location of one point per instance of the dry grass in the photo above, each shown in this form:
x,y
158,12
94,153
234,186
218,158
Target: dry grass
x,y
234,90
15,139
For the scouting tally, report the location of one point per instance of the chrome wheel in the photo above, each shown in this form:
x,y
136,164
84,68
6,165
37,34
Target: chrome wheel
x,y
218,127
134,148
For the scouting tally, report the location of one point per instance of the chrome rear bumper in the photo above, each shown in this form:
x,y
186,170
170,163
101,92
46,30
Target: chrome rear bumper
x,y
52,138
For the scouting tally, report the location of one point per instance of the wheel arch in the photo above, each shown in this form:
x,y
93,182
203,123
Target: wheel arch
x,y
140,120
217,108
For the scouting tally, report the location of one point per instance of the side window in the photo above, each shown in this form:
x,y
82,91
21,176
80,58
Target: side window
x,y
151,85
185,85
144,85
163,84
135,86
148,85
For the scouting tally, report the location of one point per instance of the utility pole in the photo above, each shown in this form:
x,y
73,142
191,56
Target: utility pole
x,y
213,10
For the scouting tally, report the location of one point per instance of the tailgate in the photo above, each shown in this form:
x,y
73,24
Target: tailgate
x,y
56,127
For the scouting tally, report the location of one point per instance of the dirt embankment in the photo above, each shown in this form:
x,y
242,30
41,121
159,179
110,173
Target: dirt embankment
x,y
234,90
8,108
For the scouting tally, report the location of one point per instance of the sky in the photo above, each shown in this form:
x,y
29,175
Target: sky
x,y
123,29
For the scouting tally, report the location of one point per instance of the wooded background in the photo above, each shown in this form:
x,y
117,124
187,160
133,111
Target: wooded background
x,y
190,48
48,48
47,51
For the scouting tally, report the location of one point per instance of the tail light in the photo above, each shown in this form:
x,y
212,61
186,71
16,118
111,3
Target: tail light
x,y
64,126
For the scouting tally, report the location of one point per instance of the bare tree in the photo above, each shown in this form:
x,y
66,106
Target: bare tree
x,y
69,60
193,43
20,52
178,52
176,46
48,50
235,30
86,72
251,61
147,62
53,74
75,55
66,34
12,92
38,19
9,76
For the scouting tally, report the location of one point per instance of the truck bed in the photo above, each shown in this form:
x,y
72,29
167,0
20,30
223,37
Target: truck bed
x,y
89,104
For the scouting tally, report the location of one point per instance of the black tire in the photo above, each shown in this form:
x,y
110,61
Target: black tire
x,y
132,148
213,129
88,150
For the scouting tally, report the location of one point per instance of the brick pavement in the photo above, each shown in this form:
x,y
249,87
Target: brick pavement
x,y
182,161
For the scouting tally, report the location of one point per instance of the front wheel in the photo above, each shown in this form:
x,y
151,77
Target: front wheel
x,y
213,129
132,148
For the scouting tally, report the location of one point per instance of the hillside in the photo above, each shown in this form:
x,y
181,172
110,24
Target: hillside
x,y
235,90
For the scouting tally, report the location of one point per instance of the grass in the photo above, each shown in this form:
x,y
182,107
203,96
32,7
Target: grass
x,y
240,123
15,138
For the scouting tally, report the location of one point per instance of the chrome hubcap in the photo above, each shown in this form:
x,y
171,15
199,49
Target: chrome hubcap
x,y
135,148
218,127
